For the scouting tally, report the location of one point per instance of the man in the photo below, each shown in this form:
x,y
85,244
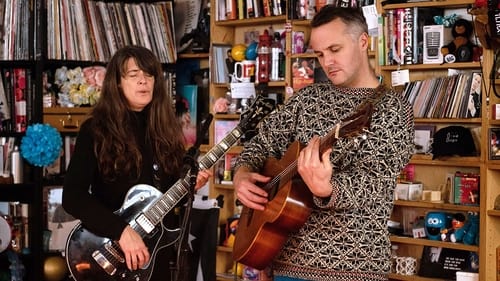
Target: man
x,y
352,182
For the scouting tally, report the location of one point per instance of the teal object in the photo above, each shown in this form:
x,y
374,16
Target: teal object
x,y
251,51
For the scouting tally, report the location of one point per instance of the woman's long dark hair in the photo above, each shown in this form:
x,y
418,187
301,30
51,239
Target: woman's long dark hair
x,y
117,152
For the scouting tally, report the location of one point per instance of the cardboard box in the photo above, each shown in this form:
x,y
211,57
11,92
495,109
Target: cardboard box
x,y
435,37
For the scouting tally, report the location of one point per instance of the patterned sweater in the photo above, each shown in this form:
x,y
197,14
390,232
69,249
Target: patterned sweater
x,y
345,237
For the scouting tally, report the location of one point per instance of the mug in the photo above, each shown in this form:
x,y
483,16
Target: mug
x,y
244,70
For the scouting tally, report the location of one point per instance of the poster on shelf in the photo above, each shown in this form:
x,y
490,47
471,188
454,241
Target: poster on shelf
x,y
59,222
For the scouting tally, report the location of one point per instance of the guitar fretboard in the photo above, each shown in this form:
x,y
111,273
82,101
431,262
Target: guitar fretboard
x,y
173,196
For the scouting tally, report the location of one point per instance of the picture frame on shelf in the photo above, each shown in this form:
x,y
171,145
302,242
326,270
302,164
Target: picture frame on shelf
x,y
494,147
423,138
223,63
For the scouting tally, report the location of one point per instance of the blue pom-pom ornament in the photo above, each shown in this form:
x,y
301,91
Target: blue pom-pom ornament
x,y
41,145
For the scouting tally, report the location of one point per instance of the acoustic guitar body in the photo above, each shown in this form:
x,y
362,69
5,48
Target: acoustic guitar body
x,y
261,234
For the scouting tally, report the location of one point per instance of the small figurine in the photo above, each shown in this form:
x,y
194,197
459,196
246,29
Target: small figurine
x,y
469,233
461,49
457,222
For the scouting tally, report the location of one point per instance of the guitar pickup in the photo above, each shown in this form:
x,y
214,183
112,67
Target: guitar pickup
x,y
104,263
143,222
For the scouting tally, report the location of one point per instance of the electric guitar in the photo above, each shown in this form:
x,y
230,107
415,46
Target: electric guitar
x,y
261,234
93,258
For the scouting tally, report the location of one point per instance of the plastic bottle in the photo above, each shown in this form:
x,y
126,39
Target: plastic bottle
x,y
263,57
16,165
276,56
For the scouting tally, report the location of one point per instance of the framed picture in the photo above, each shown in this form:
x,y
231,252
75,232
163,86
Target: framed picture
x,y
223,63
59,223
494,148
423,138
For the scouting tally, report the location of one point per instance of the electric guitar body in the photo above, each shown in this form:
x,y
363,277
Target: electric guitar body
x,y
93,258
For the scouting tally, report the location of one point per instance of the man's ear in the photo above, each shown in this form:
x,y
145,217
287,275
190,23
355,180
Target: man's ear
x,y
364,41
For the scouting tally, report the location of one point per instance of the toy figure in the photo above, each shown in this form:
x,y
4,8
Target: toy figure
x,y
461,48
469,233
457,222
435,222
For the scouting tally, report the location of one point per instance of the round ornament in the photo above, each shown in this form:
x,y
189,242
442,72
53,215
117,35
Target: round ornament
x,y
251,52
54,268
238,52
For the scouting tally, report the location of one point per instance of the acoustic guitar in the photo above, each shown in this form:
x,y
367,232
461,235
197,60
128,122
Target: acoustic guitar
x,y
261,234
93,258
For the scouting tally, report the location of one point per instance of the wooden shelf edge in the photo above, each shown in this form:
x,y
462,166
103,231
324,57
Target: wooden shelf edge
x,y
194,56
394,276
431,66
252,21
224,186
493,213
425,159
224,249
66,110
433,243
432,205
445,3
448,120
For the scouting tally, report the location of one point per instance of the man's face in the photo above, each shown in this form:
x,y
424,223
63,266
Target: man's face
x,y
339,53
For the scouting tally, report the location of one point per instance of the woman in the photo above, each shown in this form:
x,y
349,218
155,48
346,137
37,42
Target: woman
x,y
131,137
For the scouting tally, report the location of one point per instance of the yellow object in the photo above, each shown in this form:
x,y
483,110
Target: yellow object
x,y
238,52
229,241
54,268
239,268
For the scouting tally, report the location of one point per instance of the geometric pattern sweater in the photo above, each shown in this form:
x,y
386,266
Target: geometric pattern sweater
x,y
346,236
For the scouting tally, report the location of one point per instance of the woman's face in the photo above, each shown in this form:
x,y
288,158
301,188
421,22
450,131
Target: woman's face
x,y
137,86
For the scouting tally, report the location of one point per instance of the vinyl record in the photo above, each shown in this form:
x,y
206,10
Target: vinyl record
x,y
5,234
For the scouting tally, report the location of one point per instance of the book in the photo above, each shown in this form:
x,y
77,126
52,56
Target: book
x,y
20,99
302,72
466,188
442,262
474,100
186,109
222,128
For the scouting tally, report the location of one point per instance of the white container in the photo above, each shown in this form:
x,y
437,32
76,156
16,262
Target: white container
x,y
467,276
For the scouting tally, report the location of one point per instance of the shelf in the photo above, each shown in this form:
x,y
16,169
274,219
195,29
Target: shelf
x,y
23,193
431,205
227,277
432,66
252,21
433,243
494,165
194,56
226,116
449,120
394,276
66,110
425,159
447,3
224,249
493,213
224,186
269,84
